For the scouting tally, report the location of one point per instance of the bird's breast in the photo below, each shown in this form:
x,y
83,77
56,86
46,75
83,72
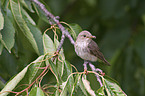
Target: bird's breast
x,y
81,48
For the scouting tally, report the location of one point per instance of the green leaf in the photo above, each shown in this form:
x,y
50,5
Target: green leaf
x,y
77,89
88,87
36,91
27,4
75,29
1,47
49,47
112,88
16,10
37,36
100,91
1,20
68,72
8,34
27,17
54,71
59,64
40,13
34,70
13,83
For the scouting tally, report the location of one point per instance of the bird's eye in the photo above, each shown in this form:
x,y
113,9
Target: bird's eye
x,y
84,35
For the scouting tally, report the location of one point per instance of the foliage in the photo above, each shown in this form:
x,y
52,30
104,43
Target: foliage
x,y
26,50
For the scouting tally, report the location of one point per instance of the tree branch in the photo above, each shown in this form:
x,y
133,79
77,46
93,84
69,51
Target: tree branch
x,y
55,19
65,33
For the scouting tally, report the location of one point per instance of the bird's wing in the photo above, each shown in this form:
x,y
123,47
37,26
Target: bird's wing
x,y
95,50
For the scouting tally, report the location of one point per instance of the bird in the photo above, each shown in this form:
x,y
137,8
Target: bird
x,y
88,49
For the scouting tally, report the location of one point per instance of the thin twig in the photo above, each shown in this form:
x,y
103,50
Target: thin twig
x,y
55,19
94,69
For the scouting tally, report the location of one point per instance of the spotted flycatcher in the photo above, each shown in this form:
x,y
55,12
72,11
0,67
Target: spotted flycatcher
x,y
87,49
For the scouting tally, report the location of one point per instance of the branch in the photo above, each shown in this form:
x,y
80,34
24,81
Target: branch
x,y
55,19
94,69
65,33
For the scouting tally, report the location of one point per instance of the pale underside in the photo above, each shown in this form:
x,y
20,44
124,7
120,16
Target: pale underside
x,y
82,51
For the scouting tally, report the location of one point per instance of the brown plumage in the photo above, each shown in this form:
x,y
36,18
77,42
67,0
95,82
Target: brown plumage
x,y
87,49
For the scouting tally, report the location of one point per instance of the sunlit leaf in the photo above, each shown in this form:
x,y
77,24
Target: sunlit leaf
x,y
1,20
36,91
88,87
100,91
13,83
112,88
49,47
35,70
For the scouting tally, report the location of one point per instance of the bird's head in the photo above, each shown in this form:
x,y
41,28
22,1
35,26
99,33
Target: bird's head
x,y
85,36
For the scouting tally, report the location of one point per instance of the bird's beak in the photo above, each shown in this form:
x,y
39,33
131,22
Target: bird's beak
x,y
92,37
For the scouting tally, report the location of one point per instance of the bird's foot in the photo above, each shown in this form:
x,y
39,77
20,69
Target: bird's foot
x,y
100,71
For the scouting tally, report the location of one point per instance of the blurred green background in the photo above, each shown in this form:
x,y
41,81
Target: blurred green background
x,y
119,26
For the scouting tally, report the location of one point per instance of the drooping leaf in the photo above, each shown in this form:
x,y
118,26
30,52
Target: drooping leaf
x,y
1,20
36,91
100,91
13,83
75,29
16,11
61,58
49,47
112,88
37,36
8,34
27,4
54,71
27,17
40,13
1,47
67,73
34,69
88,87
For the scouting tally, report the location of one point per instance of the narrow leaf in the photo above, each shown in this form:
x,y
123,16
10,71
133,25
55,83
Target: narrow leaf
x,y
1,20
49,47
16,10
13,83
88,87
8,34
27,4
34,68
112,88
75,29
36,91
